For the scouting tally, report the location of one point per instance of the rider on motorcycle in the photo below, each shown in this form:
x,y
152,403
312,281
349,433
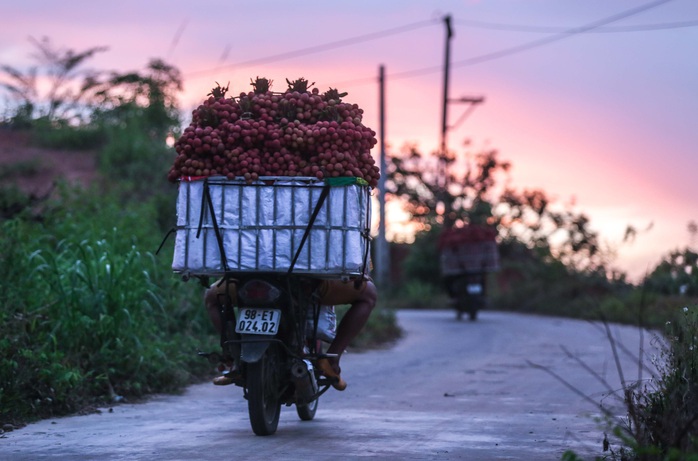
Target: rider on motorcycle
x,y
331,292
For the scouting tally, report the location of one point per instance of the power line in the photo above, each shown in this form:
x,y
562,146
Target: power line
x,y
560,33
566,33
560,36
319,48
554,29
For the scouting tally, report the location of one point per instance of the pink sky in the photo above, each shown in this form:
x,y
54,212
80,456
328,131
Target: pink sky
x,y
607,117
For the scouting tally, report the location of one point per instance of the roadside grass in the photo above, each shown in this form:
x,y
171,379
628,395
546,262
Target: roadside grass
x,y
662,411
381,329
660,405
90,315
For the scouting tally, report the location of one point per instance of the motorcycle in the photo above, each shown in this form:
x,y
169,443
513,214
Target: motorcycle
x,y
274,333
468,293
467,255
272,242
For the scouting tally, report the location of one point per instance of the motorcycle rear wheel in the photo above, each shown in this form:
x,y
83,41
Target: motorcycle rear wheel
x,y
263,387
307,411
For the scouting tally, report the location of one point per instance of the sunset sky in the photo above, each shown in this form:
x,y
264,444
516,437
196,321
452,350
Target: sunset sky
x,y
593,101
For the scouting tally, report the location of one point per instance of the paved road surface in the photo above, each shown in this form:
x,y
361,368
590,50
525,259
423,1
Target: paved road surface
x,y
448,391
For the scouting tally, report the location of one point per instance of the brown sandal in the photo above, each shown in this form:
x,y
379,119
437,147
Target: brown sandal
x,y
223,380
327,370
231,376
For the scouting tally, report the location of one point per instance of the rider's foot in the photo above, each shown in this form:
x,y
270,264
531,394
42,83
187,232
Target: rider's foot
x,y
333,373
223,380
232,376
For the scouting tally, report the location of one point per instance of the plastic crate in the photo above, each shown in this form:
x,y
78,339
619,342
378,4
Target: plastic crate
x,y
233,226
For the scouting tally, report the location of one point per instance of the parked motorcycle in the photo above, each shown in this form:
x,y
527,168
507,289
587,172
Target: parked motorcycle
x,y
274,332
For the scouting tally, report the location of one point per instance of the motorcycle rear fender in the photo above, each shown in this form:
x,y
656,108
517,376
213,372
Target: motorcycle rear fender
x,y
253,347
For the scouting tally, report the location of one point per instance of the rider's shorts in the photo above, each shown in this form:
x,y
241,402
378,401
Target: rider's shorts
x,y
335,292
331,292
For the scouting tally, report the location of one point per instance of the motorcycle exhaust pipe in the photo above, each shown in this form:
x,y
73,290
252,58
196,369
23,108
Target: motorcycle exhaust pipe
x,y
304,381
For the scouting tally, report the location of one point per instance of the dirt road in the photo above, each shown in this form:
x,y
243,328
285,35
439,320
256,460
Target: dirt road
x,y
448,391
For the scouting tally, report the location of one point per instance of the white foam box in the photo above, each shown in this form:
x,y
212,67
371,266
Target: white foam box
x,y
258,227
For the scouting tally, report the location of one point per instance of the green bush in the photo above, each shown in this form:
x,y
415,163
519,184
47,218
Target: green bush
x,y
20,168
60,134
415,294
422,262
380,330
89,312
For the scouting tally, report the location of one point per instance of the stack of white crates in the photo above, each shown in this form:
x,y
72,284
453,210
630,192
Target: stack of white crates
x,y
234,226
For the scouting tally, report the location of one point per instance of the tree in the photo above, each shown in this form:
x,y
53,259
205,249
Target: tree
x,y
151,93
473,197
138,110
70,86
677,273
454,199
125,117
528,216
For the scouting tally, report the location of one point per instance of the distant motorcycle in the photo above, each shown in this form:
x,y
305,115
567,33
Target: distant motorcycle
x,y
468,293
467,255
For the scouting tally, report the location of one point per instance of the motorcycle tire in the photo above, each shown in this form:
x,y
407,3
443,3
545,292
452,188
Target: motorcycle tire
x,y
307,411
263,392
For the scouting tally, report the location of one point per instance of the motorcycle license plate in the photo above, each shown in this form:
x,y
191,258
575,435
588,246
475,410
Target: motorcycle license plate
x,y
474,288
258,321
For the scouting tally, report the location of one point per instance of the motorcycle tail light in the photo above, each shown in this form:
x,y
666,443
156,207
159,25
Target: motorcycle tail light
x,y
259,291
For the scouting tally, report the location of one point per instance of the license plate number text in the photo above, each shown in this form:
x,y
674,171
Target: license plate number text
x,y
474,288
258,321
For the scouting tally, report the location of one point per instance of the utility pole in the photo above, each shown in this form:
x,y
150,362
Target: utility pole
x,y
443,161
441,173
382,247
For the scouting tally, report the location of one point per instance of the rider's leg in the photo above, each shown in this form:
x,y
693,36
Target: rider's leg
x,y
354,320
211,300
214,299
363,300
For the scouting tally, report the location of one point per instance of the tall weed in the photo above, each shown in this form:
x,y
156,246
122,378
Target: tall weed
x,y
662,422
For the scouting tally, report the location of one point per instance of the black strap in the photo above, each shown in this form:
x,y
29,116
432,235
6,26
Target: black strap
x,y
170,232
359,281
206,200
367,235
323,195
